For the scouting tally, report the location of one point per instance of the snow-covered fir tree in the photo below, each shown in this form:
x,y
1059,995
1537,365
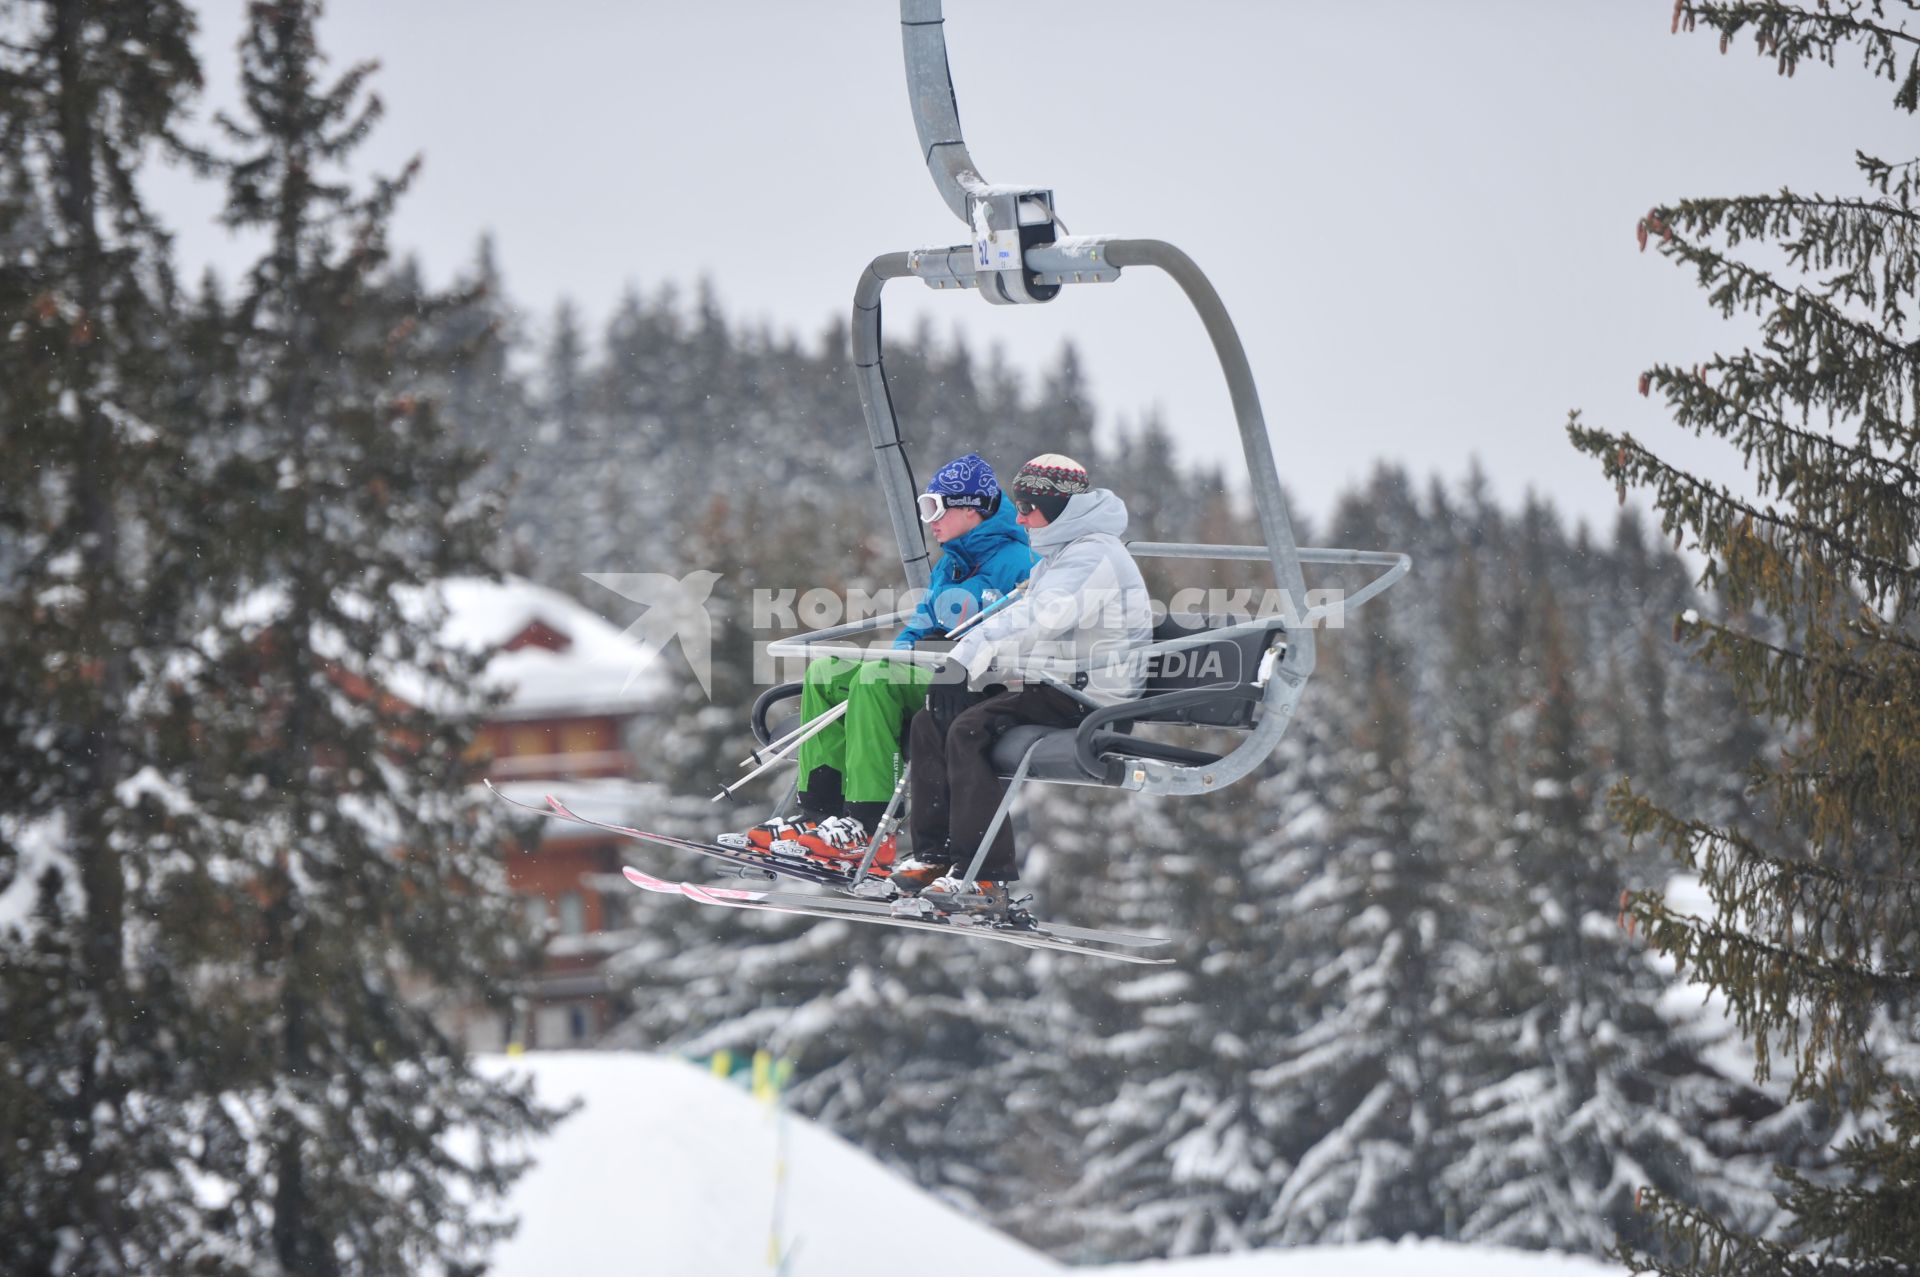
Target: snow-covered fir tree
x,y
359,875
1582,1086
100,1070
474,337
1360,1085
1810,933
1177,1144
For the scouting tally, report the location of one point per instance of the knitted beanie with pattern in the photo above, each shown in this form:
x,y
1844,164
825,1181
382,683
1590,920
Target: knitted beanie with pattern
x,y
1048,482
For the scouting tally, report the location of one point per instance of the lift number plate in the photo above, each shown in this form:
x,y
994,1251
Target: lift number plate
x,y
994,248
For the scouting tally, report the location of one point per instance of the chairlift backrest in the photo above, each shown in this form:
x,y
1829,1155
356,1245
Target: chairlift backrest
x,y
1223,664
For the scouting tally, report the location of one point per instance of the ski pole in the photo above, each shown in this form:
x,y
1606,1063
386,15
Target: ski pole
x,y
778,749
984,613
816,725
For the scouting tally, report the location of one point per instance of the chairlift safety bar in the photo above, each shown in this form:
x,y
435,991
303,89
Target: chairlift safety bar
x,y
827,642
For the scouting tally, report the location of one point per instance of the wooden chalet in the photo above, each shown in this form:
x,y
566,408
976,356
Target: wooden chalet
x,y
578,693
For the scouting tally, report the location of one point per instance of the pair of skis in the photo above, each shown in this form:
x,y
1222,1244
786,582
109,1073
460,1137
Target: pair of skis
x,y
741,861
1118,945
1024,931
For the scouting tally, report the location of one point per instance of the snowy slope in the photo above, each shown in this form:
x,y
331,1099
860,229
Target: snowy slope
x,y
1371,1259
667,1171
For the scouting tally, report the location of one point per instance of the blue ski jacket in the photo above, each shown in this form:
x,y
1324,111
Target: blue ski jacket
x,y
975,570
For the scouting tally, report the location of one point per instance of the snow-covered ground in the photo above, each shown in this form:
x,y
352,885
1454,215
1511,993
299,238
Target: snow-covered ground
x,y
668,1171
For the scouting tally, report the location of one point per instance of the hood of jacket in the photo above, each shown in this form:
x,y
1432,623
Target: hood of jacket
x,y
978,544
1086,513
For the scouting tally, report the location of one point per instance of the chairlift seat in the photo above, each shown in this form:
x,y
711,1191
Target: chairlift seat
x,y
1208,685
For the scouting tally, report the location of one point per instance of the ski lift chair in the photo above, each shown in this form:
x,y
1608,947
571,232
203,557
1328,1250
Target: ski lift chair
x,y
1241,675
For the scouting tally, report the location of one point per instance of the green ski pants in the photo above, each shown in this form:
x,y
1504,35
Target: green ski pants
x,y
864,746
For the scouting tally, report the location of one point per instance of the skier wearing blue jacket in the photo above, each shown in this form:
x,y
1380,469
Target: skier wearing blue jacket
x,y
849,769
1088,612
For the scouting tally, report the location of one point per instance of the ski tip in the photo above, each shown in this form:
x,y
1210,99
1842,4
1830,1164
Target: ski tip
x,y
717,895
693,891
648,882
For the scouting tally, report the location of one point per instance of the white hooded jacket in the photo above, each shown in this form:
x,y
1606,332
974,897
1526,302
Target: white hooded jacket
x,y
1085,605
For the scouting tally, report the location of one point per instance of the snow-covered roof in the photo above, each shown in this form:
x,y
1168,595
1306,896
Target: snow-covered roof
x,y
551,655
593,667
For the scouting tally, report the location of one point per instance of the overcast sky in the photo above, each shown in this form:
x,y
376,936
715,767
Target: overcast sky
x,y
1421,215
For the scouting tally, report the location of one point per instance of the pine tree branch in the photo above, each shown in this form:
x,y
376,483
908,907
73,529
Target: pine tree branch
x,y
1820,1007
1868,245
1745,287
1626,460
1855,753
1727,405
1873,629
1817,796
1787,34
1868,1216
1757,870
1777,215
1721,633
1695,1241
1787,201
1729,17
1820,913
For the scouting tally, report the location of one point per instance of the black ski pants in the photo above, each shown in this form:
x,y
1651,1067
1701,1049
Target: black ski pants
x,y
952,782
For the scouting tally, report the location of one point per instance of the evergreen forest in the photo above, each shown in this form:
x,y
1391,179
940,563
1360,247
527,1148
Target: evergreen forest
x,y
1405,1000
1577,910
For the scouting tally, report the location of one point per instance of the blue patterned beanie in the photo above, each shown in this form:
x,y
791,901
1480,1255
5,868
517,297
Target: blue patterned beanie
x,y
967,483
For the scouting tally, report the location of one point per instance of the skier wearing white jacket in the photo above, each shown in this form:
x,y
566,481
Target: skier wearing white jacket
x,y
1085,607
